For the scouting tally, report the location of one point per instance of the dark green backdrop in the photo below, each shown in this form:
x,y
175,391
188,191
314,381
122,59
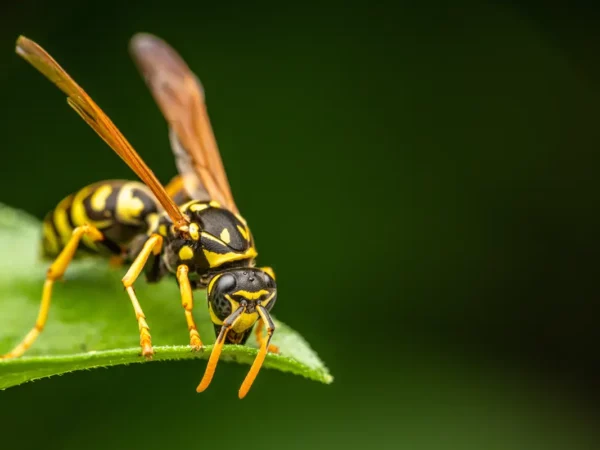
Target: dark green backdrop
x,y
423,179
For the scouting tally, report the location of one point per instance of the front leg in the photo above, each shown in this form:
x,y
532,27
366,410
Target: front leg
x,y
260,338
187,301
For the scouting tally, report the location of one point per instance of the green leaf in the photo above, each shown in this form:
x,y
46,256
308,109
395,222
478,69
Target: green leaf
x,y
91,322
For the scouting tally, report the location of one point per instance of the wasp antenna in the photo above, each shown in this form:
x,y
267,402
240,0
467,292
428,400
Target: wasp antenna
x,y
228,324
262,352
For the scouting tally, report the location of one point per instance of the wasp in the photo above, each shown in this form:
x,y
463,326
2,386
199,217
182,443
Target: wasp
x,y
190,229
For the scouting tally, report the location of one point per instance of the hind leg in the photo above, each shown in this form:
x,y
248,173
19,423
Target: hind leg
x,y
55,272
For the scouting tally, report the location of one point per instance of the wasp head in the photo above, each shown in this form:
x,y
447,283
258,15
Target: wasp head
x,y
244,290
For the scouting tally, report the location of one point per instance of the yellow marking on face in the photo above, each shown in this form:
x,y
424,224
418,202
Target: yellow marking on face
x,y
214,204
198,207
50,238
225,236
212,283
186,252
194,231
216,259
213,316
129,207
98,199
243,232
162,230
251,295
246,320
267,300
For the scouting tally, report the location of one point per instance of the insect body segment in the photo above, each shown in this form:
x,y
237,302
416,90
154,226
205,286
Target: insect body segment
x,y
191,230
237,299
229,290
120,210
214,240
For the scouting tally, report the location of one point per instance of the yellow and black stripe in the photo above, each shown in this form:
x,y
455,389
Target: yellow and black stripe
x,y
218,238
120,209
229,289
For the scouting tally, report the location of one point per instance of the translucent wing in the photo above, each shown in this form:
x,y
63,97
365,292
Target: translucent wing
x,y
95,118
180,97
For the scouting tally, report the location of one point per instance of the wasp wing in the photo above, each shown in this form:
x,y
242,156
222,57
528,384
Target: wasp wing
x,y
97,119
180,96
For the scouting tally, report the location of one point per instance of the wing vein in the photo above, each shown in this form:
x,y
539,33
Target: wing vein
x,y
180,96
91,113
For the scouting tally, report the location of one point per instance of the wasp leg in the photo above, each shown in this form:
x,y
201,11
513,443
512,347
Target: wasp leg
x,y
228,324
55,272
152,246
187,301
262,352
258,331
116,261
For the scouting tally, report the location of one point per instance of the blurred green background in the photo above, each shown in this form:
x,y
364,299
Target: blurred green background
x,y
423,179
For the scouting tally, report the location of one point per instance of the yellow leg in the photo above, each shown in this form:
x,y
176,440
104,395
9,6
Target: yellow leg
x,y
116,261
261,324
187,301
258,331
152,246
228,324
262,352
174,186
55,272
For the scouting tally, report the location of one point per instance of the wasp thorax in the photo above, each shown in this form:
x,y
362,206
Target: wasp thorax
x,y
194,231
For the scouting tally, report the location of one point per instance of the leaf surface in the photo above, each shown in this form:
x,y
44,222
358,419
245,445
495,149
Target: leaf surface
x,y
91,322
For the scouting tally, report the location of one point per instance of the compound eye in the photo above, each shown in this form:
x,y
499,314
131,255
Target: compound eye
x,y
225,283
267,279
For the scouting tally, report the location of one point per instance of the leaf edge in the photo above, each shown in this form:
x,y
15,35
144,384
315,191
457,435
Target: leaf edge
x,y
108,358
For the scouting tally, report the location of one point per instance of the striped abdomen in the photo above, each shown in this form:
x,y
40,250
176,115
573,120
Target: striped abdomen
x,y
120,209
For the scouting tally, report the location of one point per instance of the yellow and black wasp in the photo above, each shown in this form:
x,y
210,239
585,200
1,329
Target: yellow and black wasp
x,y
191,229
